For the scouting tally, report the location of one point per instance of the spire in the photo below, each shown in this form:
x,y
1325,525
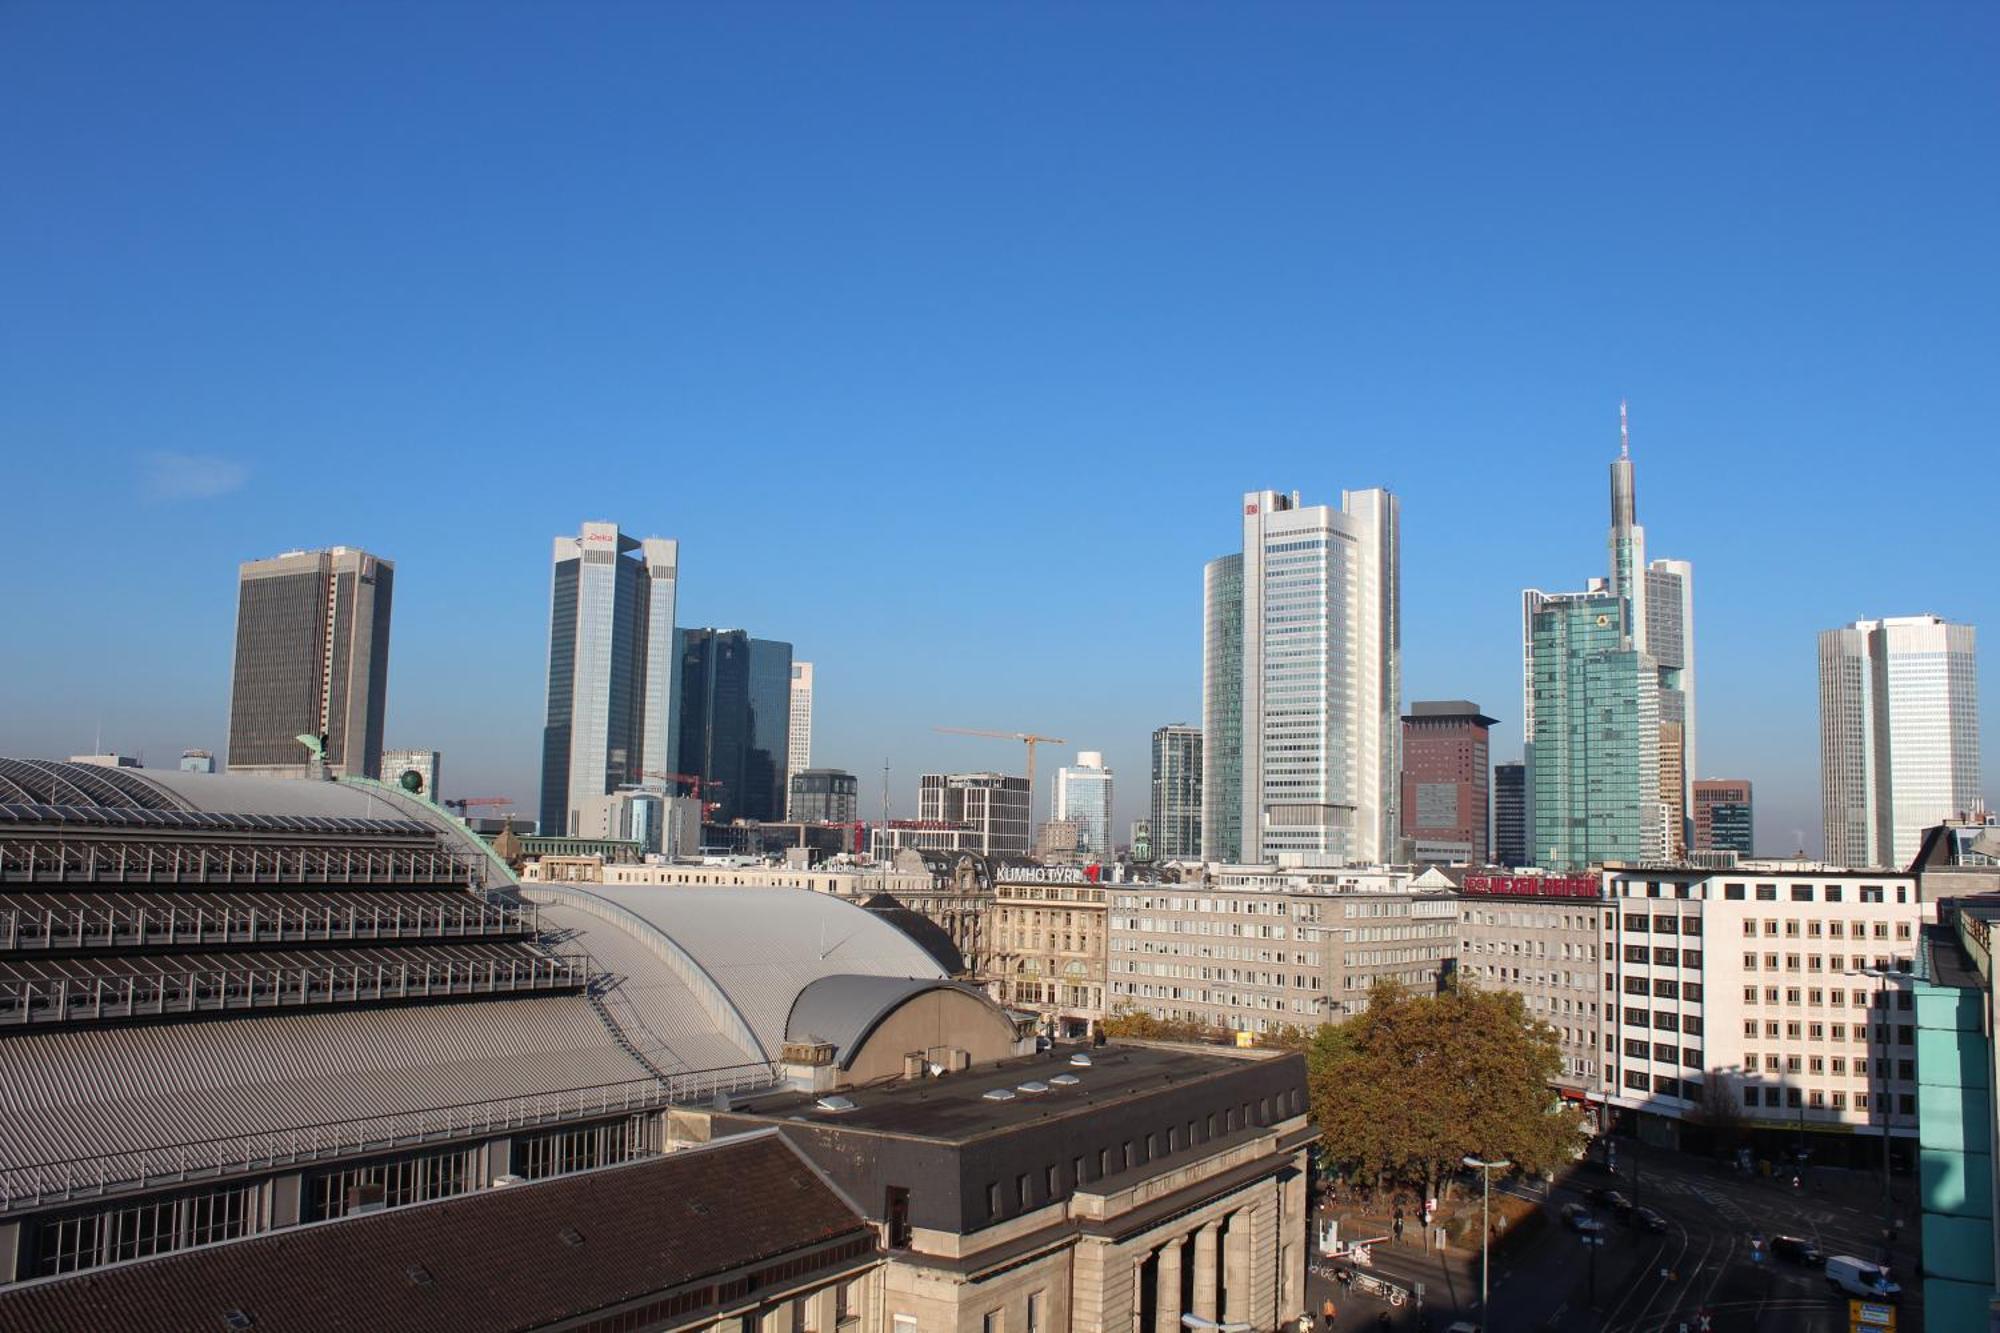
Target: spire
x,y
1624,432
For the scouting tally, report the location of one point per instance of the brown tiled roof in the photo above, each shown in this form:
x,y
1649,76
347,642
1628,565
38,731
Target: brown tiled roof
x,y
514,1258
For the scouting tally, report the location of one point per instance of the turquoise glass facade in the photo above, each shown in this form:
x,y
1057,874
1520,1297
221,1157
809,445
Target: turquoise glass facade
x,y
1955,1117
1596,735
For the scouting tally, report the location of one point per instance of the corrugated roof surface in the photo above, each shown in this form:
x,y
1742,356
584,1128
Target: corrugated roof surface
x,y
245,794
845,1009
66,1095
764,946
496,1259
655,1008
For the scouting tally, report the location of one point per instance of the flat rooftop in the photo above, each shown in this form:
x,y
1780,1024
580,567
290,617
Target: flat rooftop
x,y
954,1108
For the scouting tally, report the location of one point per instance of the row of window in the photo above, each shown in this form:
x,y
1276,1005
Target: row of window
x,y
1906,1070
1833,930
1815,997
1804,893
1819,1099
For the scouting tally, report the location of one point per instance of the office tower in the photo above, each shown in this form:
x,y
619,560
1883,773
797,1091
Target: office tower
x,y
1142,840
1640,619
611,668
734,720
1594,766
428,765
1222,710
1319,678
1658,613
1898,735
312,659
197,761
993,805
1444,781
1061,842
798,738
1174,830
1510,811
824,796
1722,821
1083,793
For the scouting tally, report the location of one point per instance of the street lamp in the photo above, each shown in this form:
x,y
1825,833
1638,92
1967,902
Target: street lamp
x,y
1486,1170
1881,976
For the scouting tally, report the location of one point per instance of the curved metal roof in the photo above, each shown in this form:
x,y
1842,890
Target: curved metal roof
x,y
50,782
747,953
845,1009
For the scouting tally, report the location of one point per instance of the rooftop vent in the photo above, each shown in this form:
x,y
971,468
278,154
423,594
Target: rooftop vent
x,y
999,1094
1080,1060
1033,1086
571,1237
418,1275
835,1103
237,1320
698,1208
1065,1080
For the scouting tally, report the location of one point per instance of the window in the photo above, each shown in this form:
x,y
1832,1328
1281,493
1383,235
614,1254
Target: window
x,y
993,1321
993,1199
1034,1312
1021,1188
1749,1094
1734,893
896,1209
906,1323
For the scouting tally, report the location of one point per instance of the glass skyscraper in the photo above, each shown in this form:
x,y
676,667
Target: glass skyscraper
x,y
1899,735
733,723
1174,828
1222,710
1083,795
611,669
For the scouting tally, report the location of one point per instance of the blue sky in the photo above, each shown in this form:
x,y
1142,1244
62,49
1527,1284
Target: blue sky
x,y
945,338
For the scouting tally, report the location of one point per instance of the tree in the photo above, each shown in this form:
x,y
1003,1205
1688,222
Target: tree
x,y
1416,1082
1130,1023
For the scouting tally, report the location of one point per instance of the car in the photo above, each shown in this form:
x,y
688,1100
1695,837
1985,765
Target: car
x,y
1798,1250
1858,1277
1578,1219
1610,1198
1647,1218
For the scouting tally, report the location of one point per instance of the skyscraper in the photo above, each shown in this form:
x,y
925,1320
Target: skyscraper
x,y
1083,794
1510,811
312,658
1222,710
611,668
1444,796
993,805
1617,656
1174,829
1898,735
799,738
1318,680
734,720
1722,815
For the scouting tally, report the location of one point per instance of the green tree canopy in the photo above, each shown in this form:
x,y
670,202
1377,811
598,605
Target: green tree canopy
x,y
1416,1082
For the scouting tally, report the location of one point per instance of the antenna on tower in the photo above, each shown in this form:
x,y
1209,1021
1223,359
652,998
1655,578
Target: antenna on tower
x,y
1624,432
885,792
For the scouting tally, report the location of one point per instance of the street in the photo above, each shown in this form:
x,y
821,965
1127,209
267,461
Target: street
x,y
1652,1283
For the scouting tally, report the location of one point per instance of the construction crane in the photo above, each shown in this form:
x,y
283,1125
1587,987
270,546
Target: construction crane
x,y
462,804
694,780
1027,737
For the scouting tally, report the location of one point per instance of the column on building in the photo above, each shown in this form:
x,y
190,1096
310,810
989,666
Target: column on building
x,y
1237,1297
1167,1289
1205,1272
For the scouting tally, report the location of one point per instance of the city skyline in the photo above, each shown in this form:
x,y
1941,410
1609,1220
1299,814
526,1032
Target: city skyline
x,y
1723,269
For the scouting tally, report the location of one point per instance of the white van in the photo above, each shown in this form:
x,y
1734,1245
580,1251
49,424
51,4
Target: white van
x,y
1858,1277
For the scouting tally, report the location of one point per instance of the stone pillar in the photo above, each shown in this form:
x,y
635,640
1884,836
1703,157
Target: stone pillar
x,y
1167,1289
1204,1270
1237,1298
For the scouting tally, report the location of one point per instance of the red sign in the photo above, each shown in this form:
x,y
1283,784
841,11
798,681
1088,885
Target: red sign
x,y
1249,509
1534,886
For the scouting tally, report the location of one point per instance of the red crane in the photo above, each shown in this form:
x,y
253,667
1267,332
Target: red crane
x,y
463,804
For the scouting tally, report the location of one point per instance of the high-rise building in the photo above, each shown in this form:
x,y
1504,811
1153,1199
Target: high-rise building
x,y
1722,815
1142,840
824,796
1444,799
1222,710
1637,623
1060,842
734,720
1898,735
994,806
197,761
1510,814
312,659
1083,793
611,668
1318,681
1174,828
428,765
1593,764
799,738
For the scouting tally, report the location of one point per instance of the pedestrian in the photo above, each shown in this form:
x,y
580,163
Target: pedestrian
x,y
1306,1322
1327,1312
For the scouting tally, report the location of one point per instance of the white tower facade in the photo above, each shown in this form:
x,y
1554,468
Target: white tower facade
x,y
800,738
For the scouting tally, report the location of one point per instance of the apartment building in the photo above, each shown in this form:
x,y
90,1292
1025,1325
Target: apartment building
x,y
1049,945
1259,959
1538,935
1783,985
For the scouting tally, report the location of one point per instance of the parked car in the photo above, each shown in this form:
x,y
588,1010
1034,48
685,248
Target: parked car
x,y
1647,1218
1858,1277
1798,1250
1578,1219
1606,1197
